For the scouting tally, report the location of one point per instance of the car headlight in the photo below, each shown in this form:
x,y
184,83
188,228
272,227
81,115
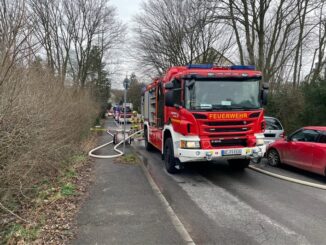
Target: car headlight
x,y
260,142
184,144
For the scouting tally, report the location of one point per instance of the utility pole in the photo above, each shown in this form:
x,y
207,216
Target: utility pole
x,y
126,83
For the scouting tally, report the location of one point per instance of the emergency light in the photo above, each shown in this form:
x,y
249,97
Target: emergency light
x,y
211,66
243,68
200,66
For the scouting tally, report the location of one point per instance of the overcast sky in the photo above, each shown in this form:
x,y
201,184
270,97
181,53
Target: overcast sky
x,y
126,9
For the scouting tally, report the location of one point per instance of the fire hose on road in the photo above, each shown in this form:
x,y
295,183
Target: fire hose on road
x,y
120,153
115,148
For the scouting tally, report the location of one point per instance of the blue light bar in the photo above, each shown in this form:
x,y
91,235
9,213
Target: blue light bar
x,y
243,68
200,66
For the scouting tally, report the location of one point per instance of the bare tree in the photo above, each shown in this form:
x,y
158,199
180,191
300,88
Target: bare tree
x,y
321,47
306,26
268,33
172,33
69,29
54,33
94,23
15,29
15,47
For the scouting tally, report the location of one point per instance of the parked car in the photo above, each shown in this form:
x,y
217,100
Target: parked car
x,y
305,149
128,115
273,130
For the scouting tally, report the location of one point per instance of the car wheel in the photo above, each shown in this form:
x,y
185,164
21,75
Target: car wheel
x,y
170,161
273,158
148,146
239,164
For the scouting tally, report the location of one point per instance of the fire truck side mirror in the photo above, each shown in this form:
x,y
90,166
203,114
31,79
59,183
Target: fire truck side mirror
x,y
169,86
264,95
169,101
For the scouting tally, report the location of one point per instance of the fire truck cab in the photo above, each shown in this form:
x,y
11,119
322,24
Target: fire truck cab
x,y
205,113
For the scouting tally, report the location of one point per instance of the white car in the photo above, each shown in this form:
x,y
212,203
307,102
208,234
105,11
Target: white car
x,y
122,119
273,130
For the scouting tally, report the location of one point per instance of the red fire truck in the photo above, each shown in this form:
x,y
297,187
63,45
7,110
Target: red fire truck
x,y
204,113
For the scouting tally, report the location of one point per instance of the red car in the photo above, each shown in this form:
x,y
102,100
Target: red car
x,y
305,149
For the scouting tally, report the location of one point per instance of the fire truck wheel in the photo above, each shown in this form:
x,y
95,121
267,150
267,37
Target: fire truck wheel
x,y
239,164
169,159
148,146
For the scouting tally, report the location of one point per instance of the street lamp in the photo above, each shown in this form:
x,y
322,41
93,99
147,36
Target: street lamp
x,y
126,84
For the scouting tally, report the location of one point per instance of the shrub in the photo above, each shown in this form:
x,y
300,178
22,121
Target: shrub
x,y
298,107
42,124
287,104
315,103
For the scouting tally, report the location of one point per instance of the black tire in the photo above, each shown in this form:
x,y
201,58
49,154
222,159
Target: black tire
x,y
273,158
169,159
148,146
239,164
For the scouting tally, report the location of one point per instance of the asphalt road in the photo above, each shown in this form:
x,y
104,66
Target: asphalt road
x,y
220,206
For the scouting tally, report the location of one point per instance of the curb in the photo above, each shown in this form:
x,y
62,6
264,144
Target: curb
x,y
293,180
169,210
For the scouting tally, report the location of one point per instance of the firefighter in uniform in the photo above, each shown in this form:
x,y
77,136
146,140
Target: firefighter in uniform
x,y
135,122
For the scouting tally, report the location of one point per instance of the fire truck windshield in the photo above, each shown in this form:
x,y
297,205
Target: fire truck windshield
x,y
222,95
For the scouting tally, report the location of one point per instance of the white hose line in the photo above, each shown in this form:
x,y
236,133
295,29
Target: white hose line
x,y
120,153
301,182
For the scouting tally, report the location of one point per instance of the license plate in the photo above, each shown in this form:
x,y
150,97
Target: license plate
x,y
231,152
